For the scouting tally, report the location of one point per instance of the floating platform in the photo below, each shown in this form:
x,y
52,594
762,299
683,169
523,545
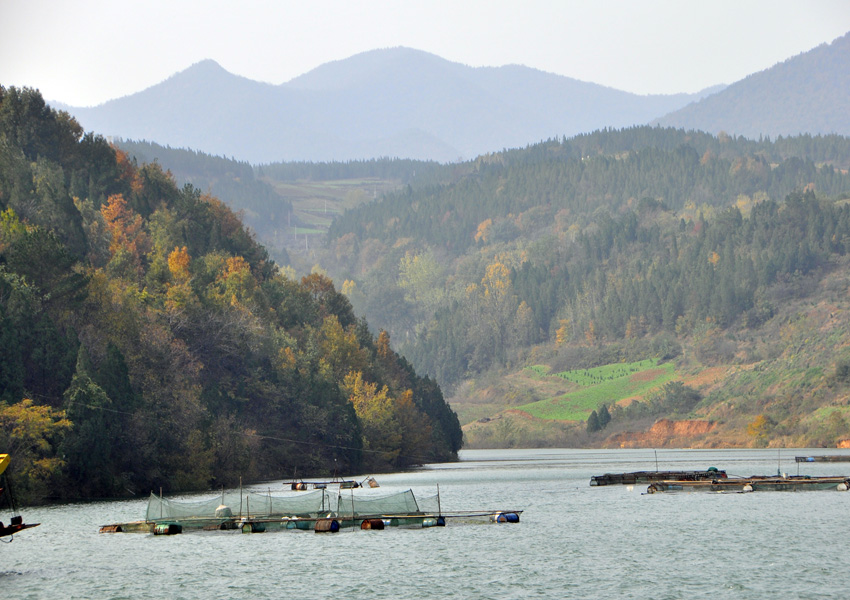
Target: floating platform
x,y
649,476
317,511
824,458
344,484
794,483
324,524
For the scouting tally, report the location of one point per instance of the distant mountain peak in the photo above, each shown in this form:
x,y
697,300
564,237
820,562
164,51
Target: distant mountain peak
x,y
368,105
369,65
207,66
807,93
204,69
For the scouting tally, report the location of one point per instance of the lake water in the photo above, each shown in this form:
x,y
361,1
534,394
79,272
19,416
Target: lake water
x,y
573,541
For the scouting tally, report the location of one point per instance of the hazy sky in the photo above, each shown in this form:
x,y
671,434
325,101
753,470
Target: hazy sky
x,y
84,52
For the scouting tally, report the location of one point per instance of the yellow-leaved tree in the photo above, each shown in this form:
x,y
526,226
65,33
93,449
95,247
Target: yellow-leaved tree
x,y
420,276
382,435
29,433
340,347
178,264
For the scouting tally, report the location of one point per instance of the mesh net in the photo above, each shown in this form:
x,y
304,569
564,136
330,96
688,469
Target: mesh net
x,y
429,504
402,503
299,504
250,504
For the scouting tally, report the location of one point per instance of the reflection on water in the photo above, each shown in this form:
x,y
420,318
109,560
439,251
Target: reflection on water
x,y
574,540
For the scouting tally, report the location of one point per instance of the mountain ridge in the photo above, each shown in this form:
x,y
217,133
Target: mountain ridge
x,y
361,107
807,93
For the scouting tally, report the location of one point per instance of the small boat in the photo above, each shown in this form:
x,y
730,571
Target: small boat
x,y
649,476
17,522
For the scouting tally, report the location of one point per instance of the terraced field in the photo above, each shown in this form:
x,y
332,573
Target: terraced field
x,y
608,384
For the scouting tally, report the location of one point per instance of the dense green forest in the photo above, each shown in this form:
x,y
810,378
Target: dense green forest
x,y
147,341
719,260
279,201
613,247
609,236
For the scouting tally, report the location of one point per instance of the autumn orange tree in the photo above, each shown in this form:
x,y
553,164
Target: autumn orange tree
x,y
130,242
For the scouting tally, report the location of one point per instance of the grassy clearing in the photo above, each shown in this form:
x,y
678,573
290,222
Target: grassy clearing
x,y
608,384
317,203
539,370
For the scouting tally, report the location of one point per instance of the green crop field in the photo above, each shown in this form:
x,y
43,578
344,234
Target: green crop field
x,y
601,385
606,373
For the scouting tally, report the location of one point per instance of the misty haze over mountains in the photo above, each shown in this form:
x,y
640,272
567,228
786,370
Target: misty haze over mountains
x,y
407,103
809,93
395,102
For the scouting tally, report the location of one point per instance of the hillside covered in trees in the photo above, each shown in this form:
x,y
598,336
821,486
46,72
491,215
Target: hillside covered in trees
x,y
809,93
147,341
284,203
531,282
613,247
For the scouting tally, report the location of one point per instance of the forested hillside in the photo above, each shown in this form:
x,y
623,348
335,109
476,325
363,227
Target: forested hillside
x,y
615,246
147,341
809,93
288,205
514,277
231,181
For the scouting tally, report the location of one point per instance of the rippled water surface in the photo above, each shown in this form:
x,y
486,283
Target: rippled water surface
x,y
573,541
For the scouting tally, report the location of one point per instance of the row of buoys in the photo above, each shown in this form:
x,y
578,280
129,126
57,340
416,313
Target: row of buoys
x,y
327,525
322,525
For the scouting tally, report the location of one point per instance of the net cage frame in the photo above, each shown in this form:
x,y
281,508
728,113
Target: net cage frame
x,y
250,504
312,504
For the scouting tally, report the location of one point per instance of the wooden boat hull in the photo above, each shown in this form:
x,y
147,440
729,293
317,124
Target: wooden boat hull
x,y
15,528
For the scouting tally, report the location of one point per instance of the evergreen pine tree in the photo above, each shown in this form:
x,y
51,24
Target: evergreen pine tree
x,y
593,423
604,416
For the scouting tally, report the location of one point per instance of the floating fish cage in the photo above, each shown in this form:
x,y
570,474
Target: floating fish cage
x,y
650,476
320,511
824,458
795,483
